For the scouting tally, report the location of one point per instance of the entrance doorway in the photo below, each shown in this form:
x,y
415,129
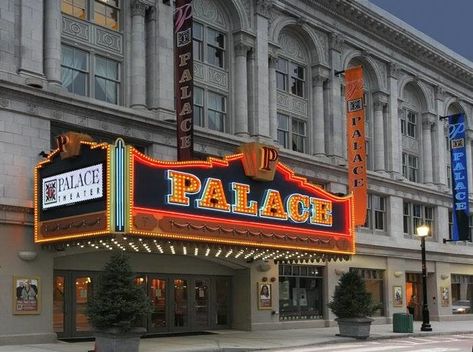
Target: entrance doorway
x,y
180,303
414,295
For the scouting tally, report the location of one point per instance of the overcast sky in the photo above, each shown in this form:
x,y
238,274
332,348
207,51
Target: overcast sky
x,y
450,22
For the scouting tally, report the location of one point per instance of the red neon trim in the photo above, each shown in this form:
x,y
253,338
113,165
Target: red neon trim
x,y
304,231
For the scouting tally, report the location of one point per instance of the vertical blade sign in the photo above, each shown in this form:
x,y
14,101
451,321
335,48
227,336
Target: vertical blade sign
x,y
456,135
356,147
184,72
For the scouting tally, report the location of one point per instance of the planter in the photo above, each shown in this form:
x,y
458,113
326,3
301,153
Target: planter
x,y
115,340
358,328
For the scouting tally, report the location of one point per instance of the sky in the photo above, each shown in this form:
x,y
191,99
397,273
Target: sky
x,y
447,21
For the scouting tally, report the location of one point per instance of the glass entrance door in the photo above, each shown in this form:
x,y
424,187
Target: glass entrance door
x,y
158,319
200,302
71,293
180,304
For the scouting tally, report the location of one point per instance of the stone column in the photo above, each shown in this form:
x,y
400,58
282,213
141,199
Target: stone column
x,y
273,98
335,136
428,120
31,41
439,151
380,101
152,77
138,55
261,117
469,160
318,118
52,41
393,133
241,90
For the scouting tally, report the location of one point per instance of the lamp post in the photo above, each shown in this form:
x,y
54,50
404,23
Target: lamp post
x,y
422,232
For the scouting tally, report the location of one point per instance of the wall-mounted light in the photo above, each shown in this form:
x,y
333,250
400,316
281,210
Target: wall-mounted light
x,y
444,276
397,273
339,272
27,255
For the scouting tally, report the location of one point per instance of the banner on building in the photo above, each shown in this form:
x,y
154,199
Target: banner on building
x,y
456,134
183,61
356,146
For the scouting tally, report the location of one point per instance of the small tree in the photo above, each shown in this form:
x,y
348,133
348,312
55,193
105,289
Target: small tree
x,y
351,300
118,301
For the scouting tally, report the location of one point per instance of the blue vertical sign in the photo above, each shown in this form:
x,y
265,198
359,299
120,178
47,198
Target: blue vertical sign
x,y
456,134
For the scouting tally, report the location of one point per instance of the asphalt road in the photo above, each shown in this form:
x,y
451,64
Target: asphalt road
x,y
444,343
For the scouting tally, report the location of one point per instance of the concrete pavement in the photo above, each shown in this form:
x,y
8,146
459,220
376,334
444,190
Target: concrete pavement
x,y
240,341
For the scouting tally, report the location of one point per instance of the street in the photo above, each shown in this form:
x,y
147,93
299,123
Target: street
x,y
445,343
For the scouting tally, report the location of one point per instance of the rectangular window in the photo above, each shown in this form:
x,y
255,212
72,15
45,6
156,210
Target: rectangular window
x,y
410,167
75,70
281,74
449,176
216,111
411,124
376,213
300,292
198,106
198,41
298,135
215,47
107,80
416,215
106,13
283,130
374,281
76,8
297,79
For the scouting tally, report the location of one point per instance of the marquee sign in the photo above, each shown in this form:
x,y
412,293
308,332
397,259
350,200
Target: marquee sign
x,y
214,201
72,191
246,200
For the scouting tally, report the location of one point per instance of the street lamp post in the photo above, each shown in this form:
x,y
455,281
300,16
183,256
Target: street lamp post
x,y
422,232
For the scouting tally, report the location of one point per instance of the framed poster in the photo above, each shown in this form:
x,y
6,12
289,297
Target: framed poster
x,y
264,295
26,295
397,296
444,296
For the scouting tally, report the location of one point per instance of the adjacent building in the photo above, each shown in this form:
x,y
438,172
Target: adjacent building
x,y
265,72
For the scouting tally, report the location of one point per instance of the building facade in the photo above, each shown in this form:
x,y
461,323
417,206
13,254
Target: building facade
x,y
264,71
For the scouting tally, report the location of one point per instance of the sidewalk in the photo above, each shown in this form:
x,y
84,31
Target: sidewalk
x,y
240,341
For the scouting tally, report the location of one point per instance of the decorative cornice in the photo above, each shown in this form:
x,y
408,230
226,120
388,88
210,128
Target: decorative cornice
x,y
396,36
336,42
394,70
138,7
263,7
16,209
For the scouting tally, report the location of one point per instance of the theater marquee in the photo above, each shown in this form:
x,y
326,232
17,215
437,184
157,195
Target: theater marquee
x,y
246,200
215,201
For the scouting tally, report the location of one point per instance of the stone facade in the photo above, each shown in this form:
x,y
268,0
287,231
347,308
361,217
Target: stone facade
x,y
409,79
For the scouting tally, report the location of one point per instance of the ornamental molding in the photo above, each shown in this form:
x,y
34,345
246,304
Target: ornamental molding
x,y
264,7
138,8
395,36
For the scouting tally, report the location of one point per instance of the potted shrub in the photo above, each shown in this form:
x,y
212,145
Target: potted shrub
x,y
352,305
116,306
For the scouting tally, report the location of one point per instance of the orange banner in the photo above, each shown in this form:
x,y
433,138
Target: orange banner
x,y
356,146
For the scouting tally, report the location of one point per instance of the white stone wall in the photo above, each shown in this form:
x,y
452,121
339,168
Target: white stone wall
x,y
402,60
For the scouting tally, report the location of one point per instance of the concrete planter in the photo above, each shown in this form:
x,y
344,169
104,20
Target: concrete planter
x,y
115,340
358,328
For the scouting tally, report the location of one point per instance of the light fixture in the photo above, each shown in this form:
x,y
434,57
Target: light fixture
x,y
423,232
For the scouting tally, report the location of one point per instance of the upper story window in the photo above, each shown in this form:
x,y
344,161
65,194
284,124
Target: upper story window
x,y
90,75
376,213
409,124
210,109
292,133
103,12
410,167
290,77
210,44
415,215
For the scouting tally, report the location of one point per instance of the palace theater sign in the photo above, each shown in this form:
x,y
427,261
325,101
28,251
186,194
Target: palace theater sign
x,y
248,199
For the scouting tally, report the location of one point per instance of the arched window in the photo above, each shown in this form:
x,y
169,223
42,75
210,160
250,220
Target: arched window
x,y
292,93
211,66
411,124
